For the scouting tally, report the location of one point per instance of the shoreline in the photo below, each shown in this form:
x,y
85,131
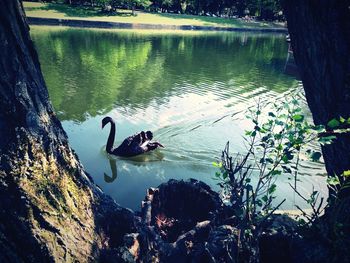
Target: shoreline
x,y
122,25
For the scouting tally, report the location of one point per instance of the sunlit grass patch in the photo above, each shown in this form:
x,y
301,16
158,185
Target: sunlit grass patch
x,y
62,11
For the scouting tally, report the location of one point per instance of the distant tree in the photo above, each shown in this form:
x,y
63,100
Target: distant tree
x,y
102,2
164,5
143,4
268,9
115,4
241,6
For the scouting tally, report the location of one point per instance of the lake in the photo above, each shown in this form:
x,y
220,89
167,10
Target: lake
x,y
192,89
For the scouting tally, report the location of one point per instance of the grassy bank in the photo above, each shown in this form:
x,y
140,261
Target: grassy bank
x,y
61,11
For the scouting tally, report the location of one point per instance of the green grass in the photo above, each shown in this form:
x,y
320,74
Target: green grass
x,y
50,10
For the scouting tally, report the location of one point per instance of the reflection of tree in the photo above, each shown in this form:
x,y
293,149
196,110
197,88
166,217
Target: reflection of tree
x,y
88,71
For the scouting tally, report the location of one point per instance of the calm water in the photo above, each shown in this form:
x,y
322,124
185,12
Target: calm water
x,y
190,89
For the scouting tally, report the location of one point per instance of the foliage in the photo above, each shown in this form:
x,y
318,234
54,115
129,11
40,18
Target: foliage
x,y
274,147
261,9
336,183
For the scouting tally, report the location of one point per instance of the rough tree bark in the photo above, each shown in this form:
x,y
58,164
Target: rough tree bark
x,y
320,36
49,210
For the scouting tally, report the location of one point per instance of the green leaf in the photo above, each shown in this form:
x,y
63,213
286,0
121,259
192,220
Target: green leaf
x,y
295,102
285,159
318,128
218,165
265,198
276,172
271,114
288,156
248,133
262,130
341,119
333,181
272,189
327,139
333,123
282,116
346,173
298,117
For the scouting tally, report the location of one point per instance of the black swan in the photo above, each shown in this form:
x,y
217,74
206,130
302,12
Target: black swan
x,y
132,145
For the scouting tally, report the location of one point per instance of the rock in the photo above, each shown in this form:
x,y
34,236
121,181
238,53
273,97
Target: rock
x,y
310,250
128,253
281,242
133,245
222,244
280,223
276,238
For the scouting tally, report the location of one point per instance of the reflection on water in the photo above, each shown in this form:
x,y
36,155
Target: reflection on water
x,y
191,89
113,164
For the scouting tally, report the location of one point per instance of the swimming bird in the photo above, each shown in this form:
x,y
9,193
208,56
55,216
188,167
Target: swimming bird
x,y
132,145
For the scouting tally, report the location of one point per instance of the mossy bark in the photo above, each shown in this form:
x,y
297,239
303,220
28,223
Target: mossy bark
x,y
50,209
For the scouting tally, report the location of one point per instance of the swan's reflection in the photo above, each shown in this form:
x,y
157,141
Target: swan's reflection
x,y
111,179
139,160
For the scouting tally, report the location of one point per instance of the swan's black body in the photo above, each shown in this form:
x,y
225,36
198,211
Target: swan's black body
x,y
131,146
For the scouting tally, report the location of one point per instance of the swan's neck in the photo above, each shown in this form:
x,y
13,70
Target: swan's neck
x,y
111,137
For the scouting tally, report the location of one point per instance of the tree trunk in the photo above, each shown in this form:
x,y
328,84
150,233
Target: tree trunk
x,y
50,209
320,36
